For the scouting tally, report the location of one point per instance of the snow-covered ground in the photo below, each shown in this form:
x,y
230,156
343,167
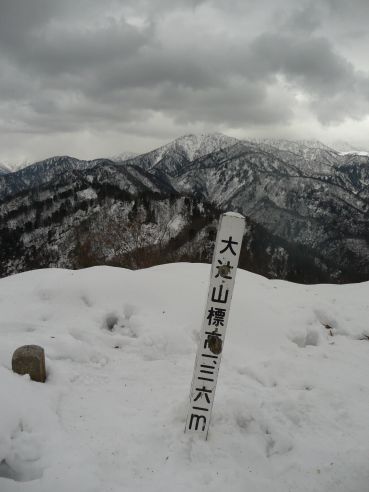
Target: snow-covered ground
x,y
292,403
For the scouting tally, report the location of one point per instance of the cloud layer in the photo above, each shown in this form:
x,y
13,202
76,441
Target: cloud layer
x,y
96,78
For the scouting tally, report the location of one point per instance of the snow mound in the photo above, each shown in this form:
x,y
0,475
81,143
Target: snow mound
x,y
292,399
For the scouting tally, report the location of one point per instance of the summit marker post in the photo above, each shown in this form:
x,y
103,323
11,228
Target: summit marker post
x,y
209,353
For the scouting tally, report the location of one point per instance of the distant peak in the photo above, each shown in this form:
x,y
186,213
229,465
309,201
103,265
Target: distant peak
x,y
9,168
123,156
286,143
356,152
345,148
205,136
197,145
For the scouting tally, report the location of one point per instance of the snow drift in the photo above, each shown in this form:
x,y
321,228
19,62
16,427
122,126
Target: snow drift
x,y
292,399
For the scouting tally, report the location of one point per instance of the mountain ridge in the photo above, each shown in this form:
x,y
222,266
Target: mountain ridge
x,y
300,195
212,139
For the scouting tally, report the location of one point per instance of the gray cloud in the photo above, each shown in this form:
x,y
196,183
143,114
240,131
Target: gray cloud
x,y
88,67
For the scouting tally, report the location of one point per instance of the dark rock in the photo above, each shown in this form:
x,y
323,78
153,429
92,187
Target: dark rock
x,y
30,359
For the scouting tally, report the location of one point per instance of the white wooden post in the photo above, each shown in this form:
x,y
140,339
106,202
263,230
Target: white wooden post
x,y
222,277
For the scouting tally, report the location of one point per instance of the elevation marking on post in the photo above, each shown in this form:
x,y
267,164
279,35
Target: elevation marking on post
x,y
209,353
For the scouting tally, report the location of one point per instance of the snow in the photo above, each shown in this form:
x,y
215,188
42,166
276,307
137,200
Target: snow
x,y
356,152
123,156
198,145
298,146
177,223
87,194
235,214
292,401
11,167
192,146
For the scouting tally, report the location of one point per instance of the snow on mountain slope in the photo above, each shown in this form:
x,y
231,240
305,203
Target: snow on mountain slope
x,y
195,146
3,169
347,148
123,156
11,168
43,172
183,150
297,146
303,193
292,400
356,152
311,156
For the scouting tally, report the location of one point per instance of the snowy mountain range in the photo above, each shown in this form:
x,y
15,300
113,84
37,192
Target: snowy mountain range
x,y
306,204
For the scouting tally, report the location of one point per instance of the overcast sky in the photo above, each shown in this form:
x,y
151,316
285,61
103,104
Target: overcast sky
x,y
94,78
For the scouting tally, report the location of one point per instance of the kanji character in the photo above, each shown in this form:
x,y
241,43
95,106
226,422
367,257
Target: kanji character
x,y
220,299
203,392
216,316
224,270
229,243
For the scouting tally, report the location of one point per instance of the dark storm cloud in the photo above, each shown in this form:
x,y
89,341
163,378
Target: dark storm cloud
x,y
357,10
58,49
309,62
69,66
336,88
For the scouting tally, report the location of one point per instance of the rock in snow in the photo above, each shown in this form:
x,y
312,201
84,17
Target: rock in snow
x,y
292,401
30,359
